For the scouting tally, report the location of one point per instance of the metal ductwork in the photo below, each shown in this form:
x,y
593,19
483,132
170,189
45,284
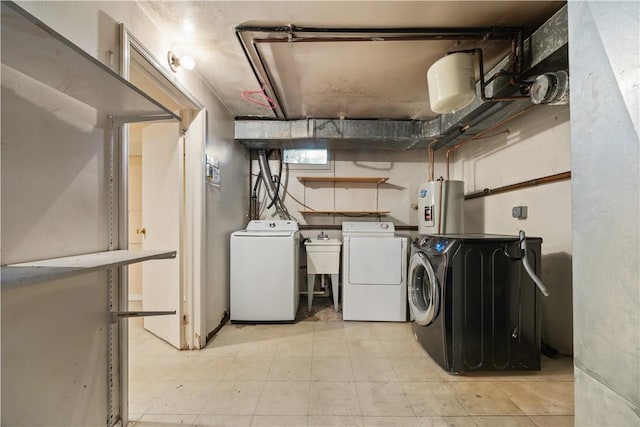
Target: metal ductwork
x,y
336,134
546,50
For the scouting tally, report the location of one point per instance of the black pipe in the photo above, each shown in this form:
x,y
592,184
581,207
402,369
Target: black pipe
x,y
378,38
253,68
445,33
269,80
480,32
279,180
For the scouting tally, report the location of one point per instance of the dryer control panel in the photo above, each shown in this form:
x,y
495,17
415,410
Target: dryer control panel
x,y
436,244
263,225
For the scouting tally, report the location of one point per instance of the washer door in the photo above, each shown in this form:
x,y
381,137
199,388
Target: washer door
x,y
424,290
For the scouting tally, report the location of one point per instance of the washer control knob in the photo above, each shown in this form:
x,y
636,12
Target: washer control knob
x,y
423,242
272,225
384,226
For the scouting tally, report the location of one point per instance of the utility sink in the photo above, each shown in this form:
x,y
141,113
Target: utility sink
x,y
323,257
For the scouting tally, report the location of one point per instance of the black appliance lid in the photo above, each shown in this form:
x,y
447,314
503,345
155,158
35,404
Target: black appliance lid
x,y
482,237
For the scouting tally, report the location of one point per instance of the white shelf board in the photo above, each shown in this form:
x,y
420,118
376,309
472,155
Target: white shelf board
x,y
32,48
29,273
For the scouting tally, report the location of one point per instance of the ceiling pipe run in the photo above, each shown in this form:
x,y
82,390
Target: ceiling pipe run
x,y
295,34
563,176
545,50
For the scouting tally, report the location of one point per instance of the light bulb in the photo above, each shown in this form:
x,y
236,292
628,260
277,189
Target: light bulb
x,y
187,62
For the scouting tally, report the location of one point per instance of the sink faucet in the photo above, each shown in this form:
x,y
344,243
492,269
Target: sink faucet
x,y
322,236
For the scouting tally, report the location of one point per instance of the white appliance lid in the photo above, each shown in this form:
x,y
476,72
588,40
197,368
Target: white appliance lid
x,y
272,226
368,227
260,233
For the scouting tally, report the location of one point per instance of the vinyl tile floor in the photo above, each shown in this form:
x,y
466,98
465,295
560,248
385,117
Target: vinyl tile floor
x,y
321,371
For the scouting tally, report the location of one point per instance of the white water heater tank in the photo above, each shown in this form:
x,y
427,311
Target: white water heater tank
x,y
441,207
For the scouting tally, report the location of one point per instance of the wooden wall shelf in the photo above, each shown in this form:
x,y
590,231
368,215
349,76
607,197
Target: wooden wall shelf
x,y
345,179
346,213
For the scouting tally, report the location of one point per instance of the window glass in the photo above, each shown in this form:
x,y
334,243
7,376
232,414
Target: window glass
x,y
305,156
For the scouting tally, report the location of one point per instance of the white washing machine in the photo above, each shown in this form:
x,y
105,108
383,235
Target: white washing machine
x,y
264,272
374,272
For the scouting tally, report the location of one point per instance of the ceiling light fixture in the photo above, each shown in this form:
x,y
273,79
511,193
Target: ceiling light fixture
x,y
184,61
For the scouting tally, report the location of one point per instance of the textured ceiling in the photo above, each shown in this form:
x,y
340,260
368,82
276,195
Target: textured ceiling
x,y
334,79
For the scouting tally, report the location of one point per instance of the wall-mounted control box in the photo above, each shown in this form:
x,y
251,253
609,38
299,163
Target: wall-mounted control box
x,y
519,212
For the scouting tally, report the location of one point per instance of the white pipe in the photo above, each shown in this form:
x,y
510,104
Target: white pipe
x,y
527,266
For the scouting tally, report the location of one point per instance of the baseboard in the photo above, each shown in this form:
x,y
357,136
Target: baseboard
x,y
223,321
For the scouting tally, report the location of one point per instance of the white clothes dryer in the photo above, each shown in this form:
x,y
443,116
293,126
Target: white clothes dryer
x,y
374,272
264,285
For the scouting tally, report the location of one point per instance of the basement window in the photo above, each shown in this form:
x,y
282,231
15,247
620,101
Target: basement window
x,y
301,156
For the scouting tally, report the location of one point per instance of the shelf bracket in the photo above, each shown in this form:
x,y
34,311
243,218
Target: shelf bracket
x,y
117,315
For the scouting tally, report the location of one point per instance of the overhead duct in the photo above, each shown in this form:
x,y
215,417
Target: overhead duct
x,y
546,50
336,134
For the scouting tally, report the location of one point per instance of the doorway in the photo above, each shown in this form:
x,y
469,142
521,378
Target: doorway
x,y
162,178
156,220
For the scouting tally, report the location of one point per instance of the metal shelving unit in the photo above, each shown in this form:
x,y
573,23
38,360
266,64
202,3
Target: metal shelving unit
x,y
35,50
31,273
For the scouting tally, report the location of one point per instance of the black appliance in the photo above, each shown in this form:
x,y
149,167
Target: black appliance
x,y
474,307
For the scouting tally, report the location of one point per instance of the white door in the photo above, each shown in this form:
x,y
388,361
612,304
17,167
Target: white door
x,y
162,216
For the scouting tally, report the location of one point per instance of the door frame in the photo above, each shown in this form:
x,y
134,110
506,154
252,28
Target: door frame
x,y
194,293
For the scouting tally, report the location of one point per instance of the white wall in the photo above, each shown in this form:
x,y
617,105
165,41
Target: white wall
x,y
605,146
227,207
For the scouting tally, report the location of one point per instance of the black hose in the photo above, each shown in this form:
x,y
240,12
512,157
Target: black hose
x,y
255,187
277,196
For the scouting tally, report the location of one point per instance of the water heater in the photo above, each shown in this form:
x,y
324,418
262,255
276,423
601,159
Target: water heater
x,y
440,207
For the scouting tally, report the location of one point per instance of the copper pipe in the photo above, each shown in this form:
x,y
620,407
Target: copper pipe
x,y
524,184
489,129
431,160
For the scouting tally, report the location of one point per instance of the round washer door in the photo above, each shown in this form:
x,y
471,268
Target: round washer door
x,y
424,290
